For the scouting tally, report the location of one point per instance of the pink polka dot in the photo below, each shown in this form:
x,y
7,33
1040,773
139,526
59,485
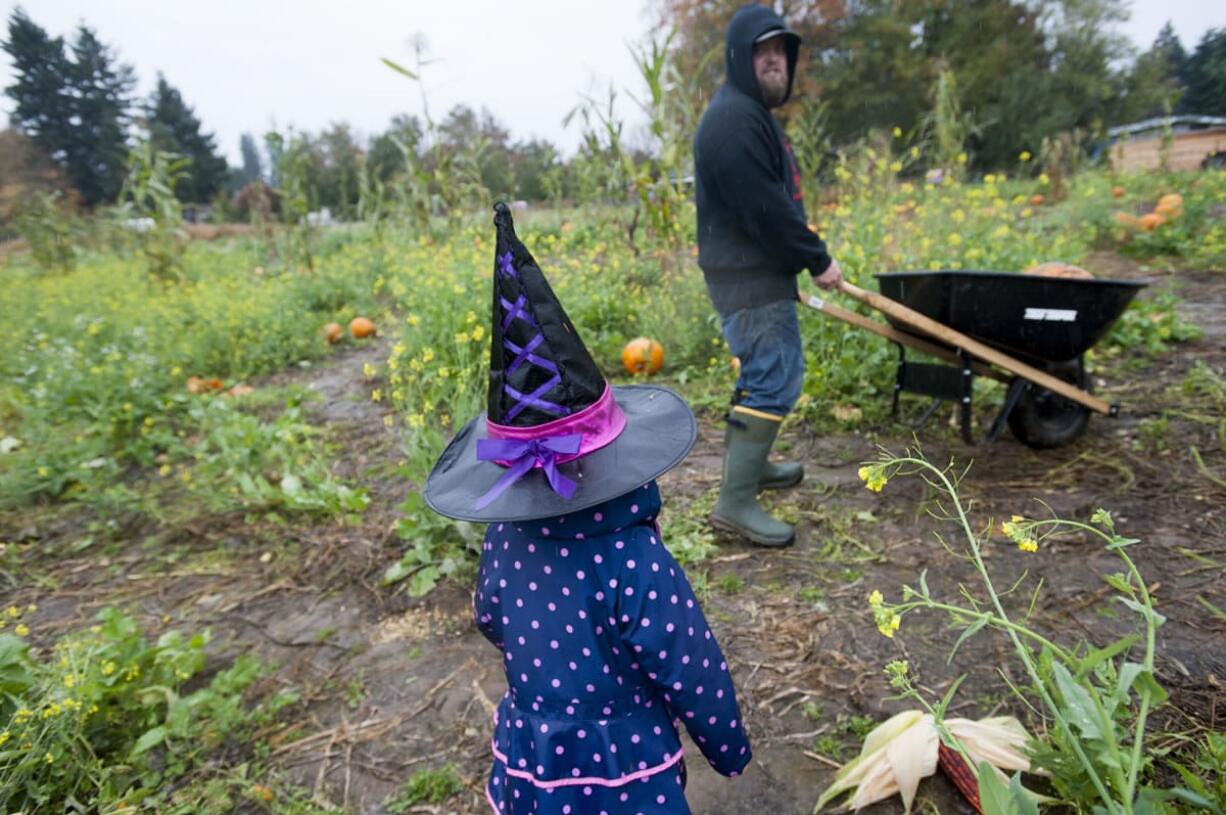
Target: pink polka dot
x,y
598,516
634,507
544,530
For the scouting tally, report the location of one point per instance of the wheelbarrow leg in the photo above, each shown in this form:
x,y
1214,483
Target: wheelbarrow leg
x,y
1016,390
968,381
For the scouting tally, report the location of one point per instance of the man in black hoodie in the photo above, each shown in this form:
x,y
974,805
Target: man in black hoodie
x,y
753,240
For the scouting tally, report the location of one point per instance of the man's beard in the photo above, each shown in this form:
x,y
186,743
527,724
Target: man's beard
x,y
774,88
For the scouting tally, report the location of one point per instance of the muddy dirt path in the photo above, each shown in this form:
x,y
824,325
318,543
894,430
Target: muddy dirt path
x,y
390,685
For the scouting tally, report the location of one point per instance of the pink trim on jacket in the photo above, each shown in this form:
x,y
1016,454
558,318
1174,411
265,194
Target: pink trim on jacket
x,y
598,782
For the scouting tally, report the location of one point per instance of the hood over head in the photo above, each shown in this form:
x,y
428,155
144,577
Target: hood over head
x,y
745,28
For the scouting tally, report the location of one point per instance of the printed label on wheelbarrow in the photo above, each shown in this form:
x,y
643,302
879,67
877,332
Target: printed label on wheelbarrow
x,y
1055,315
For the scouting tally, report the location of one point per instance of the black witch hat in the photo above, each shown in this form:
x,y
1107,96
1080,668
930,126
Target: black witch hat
x,y
550,409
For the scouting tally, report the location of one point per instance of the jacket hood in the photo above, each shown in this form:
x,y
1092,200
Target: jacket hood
x,y
749,23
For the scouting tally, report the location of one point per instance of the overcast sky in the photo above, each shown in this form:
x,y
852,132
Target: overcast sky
x,y
247,66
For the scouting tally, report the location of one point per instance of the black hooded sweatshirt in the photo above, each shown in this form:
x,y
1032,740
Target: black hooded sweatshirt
x,y
753,237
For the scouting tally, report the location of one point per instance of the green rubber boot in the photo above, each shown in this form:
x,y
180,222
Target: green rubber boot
x,y
780,475
744,463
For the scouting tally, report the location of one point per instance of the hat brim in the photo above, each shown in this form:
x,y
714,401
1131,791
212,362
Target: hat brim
x,y
778,32
660,430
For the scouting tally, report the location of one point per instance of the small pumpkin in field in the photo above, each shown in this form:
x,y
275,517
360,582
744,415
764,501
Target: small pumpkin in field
x,y
1150,221
1125,219
333,332
1117,192
198,385
1170,205
735,362
361,328
643,355
1058,268
1036,200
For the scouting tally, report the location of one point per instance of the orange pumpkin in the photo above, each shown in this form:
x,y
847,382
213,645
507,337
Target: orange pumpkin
x,y
1059,269
735,362
643,355
1036,200
1125,219
1117,192
333,332
1151,221
196,384
361,328
1170,205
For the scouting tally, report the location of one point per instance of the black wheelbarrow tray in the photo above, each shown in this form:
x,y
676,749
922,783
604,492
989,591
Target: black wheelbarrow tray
x,y
1035,329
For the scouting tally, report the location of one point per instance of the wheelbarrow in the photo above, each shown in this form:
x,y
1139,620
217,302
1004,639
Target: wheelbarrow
x,y
1028,331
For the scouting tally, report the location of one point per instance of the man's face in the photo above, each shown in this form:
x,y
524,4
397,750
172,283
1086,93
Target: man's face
x,y
770,66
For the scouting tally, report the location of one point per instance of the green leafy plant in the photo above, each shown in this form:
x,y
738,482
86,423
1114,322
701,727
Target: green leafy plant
x,y
150,212
103,718
49,230
425,787
266,465
1097,699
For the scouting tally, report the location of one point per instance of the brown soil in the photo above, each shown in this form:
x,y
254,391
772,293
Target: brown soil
x,y
391,685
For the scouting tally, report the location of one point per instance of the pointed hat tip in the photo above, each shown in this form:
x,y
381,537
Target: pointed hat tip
x,y
502,214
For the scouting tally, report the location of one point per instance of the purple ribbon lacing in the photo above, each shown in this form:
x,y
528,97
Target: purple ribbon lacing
x,y
524,455
517,311
505,266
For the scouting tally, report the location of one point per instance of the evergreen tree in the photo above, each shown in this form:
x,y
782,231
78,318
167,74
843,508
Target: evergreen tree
x,y
1205,75
75,108
1154,83
43,108
252,167
174,128
98,151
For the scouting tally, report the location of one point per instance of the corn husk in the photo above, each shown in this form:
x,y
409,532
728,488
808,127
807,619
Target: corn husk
x,y
903,749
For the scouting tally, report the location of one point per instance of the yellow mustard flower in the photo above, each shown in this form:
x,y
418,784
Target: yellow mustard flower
x,y
1024,155
21,630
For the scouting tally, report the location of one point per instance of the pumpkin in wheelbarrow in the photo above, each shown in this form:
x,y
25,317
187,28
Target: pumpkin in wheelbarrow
x,y
1059,269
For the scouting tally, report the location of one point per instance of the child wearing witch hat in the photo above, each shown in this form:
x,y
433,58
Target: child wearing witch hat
x,y
605,648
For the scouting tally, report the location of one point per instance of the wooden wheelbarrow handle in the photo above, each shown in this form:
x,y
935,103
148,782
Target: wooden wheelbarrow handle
x,y
939,331
894,335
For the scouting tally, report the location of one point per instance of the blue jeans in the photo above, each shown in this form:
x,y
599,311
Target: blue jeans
x,y
767,341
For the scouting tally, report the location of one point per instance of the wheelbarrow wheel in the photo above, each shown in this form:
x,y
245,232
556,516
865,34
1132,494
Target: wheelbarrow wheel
x,y
1043,419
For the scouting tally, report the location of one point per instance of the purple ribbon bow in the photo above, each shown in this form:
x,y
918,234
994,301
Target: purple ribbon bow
x,y
524,455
